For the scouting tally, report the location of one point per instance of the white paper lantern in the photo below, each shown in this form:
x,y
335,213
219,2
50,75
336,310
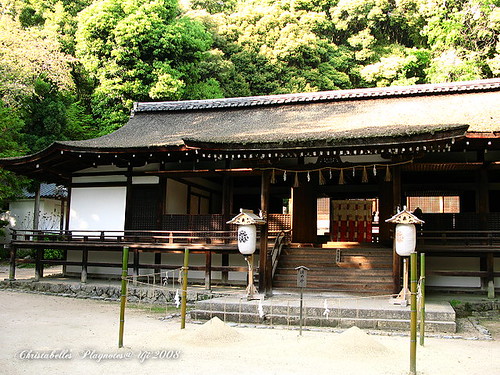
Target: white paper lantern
x,y
247,239
405,239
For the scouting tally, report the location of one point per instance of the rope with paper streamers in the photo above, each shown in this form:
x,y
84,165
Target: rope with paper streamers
x,y
155,290
328,170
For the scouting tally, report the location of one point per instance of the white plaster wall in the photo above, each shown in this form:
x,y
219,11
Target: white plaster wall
x,y
98,208
453,264
177,195
93,179
143,180
22,212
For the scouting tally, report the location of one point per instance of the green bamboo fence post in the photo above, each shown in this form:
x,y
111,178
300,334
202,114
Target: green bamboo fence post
x,y
422,299
413,314
184,288
123,297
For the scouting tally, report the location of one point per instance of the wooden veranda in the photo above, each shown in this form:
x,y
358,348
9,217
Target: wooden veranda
x,y
139,242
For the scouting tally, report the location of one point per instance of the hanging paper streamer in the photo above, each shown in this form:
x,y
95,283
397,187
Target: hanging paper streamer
x,y
353,172
284,176
374,170
296,182
165,279
261,309
308,177
364,178
177,299
321,178
341,177
388,176
331,175
273,177
327,310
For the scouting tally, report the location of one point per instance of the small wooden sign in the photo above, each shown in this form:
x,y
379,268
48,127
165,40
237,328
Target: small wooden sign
x,y
302,276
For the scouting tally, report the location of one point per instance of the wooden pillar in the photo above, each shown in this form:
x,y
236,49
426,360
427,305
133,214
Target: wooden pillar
x,y
36,208
12,267
208,270
68,209
128,199
135,266
390,197
39,264
227,195
225,263
482,197
85,259
490,279
264,281
304,213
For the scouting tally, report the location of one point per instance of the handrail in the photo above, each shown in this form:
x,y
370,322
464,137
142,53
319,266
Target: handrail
x,y
276,250
463,238
126,236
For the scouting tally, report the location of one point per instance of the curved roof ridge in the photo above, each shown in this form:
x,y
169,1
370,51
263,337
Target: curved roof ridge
x,y
372,93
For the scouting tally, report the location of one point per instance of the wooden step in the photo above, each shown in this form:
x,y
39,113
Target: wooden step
x,y
361,269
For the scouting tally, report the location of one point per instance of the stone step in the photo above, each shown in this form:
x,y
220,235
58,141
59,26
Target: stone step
x,y
372,314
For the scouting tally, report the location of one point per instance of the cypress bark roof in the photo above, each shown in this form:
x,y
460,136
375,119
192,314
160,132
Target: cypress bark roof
x,y
342,119
333,118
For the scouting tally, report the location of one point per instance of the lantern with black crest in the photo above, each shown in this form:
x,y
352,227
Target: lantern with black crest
x,y
405,239
247,231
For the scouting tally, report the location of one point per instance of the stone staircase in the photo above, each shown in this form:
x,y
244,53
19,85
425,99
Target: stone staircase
x,y
341,268
343,312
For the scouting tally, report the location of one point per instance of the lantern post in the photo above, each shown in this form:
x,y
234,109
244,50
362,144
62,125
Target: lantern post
x,y
405,239
247,242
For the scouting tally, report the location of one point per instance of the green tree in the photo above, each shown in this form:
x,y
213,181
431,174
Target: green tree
x,y
51,114
11,145
279,48
142,50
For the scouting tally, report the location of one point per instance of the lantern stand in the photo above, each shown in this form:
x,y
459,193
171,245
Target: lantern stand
x,y
405,238
247,241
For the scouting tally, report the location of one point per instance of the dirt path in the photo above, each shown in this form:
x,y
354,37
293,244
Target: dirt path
x,y
81,332
27,273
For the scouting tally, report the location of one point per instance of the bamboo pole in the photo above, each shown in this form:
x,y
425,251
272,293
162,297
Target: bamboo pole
x,y
123,297
184,288
422,299
413,313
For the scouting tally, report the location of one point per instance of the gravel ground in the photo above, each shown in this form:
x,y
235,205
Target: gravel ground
x,y
82,335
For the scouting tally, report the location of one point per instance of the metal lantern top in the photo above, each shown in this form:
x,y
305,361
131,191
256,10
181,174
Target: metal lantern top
x,y
405,217
247,217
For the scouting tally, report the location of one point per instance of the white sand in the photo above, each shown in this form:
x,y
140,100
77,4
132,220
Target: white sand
x,y
90,329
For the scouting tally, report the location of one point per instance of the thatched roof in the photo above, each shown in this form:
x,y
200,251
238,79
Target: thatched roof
x,y
335,118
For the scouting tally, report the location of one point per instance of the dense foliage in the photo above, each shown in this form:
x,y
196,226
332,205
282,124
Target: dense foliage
x,y
71,69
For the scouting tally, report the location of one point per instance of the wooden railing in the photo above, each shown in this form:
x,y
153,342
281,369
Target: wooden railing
x,y
123,237
471,243
281,239
459,240
204,242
